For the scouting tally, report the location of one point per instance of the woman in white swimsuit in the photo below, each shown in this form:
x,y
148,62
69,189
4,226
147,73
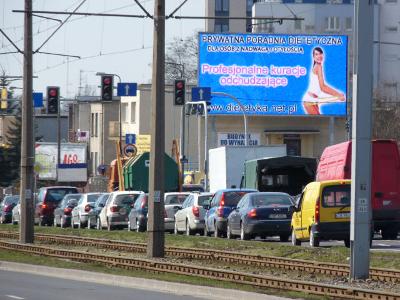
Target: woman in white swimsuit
x,y
318,91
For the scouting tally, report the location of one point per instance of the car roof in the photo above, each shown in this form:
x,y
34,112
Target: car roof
x,y
59,187
176,193
237,190
126,193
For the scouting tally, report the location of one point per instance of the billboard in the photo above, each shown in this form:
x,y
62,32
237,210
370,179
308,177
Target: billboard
x,y
273,74
71,154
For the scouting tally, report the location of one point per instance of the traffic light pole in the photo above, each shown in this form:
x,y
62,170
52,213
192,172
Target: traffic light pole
x,y
27,147
156,239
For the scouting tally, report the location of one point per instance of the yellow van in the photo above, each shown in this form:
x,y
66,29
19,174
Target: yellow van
x,y
322,212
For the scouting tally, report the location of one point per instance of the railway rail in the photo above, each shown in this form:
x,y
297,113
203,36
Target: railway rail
x,y
257,281
325,268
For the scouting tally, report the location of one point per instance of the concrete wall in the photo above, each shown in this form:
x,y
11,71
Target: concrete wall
x,y
46,128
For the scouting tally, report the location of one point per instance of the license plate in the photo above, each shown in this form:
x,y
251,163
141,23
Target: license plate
x,y
278,216
342,215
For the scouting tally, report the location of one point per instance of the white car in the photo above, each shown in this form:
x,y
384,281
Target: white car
x,y
172,203
190,218
80,213
116,210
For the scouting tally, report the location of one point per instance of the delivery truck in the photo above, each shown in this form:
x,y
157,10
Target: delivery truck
x,y
226,163
335,163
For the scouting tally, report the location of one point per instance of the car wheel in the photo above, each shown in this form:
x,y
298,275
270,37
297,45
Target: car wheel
x,y
217,232
62,223
188,230
283,237
54,222
347,243
98,224
109,226
13,220
138,227
295,241
229,234
89,226
314,241
243,235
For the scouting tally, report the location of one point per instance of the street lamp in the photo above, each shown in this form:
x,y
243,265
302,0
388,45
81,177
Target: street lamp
x,y
120,109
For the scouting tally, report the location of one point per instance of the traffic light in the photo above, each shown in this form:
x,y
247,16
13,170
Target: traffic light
x,y
107,85
179,92
53,98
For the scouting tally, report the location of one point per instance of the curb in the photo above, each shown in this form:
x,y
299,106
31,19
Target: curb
x,y
136,283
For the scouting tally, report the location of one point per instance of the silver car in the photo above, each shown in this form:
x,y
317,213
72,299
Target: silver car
x,y
190,218
172,202
80,213
116,211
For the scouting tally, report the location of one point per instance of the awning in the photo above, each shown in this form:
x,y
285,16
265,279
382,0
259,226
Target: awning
x,y
291,131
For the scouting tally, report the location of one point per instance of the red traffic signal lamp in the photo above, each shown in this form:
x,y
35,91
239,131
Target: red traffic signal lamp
x,y
107,86
53,99
179,92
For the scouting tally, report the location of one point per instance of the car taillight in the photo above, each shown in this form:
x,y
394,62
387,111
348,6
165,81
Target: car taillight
x,y
143,205
222,202
196,211
44,206
7,208
317,205
252,213
87,208
67,210
114,208
220,211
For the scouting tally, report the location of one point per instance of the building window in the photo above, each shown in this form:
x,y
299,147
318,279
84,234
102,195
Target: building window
x,y
92,125
332,24
391,29
124,112
349,24
293,144
221,25
133,112
221,7
96,125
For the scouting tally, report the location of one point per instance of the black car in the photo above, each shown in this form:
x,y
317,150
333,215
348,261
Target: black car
x,y
6,207
62,213
262,214
138,215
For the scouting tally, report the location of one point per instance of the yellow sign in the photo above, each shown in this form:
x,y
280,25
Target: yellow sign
x,y
4,96
143,142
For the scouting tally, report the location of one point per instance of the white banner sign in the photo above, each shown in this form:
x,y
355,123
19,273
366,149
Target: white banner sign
x,y
46,158
238,139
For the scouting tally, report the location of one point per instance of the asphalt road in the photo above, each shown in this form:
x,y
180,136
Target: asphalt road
x,y
20,286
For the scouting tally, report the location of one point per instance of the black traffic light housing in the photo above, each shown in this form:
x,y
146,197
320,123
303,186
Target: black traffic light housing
x,y
107,86
53,99
179,92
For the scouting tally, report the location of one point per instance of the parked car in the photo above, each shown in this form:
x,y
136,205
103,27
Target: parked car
x,y
80,213
261,214
63,212
137,219
48,200
190,218
6,207
172,203
223,202
16,212
117,208
322,213
94,213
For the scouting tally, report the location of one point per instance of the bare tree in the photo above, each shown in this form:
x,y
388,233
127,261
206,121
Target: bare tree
x,y
181,59
386,119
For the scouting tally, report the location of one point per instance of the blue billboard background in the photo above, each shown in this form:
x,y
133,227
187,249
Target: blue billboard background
x,y
271,74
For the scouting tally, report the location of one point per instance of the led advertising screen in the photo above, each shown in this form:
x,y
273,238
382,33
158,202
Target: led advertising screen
x,y
272,74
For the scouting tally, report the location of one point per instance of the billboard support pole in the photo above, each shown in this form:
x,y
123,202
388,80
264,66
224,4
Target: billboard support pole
x,y
360,229
241,107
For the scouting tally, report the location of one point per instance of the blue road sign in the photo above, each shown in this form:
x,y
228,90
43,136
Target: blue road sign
x,y
126,89
201,94
130,138
37,99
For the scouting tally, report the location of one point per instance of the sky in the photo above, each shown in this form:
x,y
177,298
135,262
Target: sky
x,y
121,46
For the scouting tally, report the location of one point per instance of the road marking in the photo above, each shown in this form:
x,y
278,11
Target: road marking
x,y
14,297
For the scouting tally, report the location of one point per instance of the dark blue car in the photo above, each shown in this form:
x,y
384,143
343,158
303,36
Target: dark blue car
x,y
262,214
138,214
6,208
222,204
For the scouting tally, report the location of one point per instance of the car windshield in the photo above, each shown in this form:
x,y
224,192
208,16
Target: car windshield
x,y
57,194
175,199
93,197
265,200
127,199
72,197
102,200
11,200
336,196
203,199
232,198
72,202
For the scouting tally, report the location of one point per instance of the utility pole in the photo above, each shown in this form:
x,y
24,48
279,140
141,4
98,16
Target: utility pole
x,y
361,140
155,244
27,149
